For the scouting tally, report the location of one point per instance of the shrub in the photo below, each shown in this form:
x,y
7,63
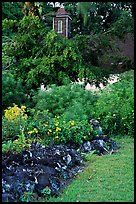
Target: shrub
x,y
12,91
59,131
17,145
13,121
71,101
115,106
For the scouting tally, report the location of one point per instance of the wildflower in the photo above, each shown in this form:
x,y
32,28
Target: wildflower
x,y
84,137
23,107
57,116
124,124
30,132
35,130
57,129
114,114
25,116
50,130
46,124
12,113
124,118
56,136
57,123
72,123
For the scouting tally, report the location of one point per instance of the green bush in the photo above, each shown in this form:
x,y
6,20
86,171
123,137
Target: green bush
x,y
115,106
12,91
17,145
13,121
62,105
72,101
61,115
59,131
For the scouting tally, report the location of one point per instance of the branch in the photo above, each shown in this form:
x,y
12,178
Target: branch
x,y
8,38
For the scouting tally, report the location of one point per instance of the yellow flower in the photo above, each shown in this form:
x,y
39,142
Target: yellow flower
x,y
114,114
57,129
72,123
124,118
25,116
57,136
23,107
12,113
124,124
57,123
50,130
46,124
30,132
84,137
35,130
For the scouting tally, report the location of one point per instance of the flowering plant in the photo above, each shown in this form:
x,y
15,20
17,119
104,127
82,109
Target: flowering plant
x,y
13,121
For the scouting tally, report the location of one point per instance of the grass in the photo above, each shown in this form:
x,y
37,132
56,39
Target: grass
x,y
109,178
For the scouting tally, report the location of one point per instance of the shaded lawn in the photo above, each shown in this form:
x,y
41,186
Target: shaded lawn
x,y
108,178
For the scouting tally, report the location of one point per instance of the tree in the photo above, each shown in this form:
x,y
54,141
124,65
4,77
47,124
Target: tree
x,y
12,91
12,10
32,8
98,16
26,43
58,64
43,55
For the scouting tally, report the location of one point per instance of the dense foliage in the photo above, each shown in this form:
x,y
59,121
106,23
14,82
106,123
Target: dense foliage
x,y
30,46
96,17
12,91
115,106
70,99
62,114
43,55
12,10
33,53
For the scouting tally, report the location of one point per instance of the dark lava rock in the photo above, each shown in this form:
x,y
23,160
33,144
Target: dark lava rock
x,y
32,170
101,144
53,167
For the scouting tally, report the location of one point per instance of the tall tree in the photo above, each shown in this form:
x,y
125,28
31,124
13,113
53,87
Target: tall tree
x,y
99,16
30,8
12,10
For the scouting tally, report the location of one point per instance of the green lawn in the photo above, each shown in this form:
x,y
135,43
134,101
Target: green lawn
x,y
109,178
